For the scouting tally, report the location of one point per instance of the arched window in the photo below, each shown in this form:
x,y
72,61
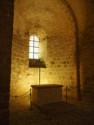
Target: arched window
x,y
34,55
33,47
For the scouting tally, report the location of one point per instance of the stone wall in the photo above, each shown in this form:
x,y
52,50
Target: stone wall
x,y
87,54
6,29
87,62
60,57
83,10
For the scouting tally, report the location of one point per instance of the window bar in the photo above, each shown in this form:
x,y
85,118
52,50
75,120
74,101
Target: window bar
x,y
33,47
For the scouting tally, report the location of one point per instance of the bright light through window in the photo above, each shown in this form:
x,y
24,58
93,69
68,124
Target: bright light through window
x,y
36,44
36,38
33,47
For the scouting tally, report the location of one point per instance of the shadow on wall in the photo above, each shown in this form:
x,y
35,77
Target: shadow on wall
x,y
87,60
87,55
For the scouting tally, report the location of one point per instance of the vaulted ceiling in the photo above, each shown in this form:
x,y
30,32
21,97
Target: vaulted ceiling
x,y
52,15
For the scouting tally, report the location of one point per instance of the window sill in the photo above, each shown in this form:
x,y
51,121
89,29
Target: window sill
x,y
36,63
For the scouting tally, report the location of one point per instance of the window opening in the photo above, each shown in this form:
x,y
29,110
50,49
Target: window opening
x,y
33,47
34,60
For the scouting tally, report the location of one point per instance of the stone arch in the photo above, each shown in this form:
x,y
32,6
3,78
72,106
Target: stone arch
x,y
77,48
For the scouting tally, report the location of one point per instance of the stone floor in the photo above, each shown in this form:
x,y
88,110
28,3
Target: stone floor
x,y
53,114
